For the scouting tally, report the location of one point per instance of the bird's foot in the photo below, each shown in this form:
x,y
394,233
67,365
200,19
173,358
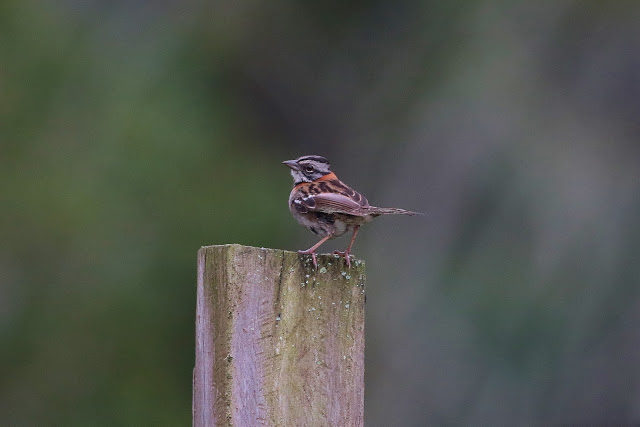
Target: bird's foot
x,y
346,255
313,256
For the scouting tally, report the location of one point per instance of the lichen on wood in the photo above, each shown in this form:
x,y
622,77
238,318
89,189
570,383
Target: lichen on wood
x,y
278,342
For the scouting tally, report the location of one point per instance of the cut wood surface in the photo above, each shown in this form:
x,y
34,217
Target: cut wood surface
x,y
278,342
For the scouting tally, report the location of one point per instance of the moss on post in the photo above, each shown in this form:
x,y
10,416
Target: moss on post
x,y
278,342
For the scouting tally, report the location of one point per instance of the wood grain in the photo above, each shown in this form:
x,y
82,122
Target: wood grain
x,y
278,342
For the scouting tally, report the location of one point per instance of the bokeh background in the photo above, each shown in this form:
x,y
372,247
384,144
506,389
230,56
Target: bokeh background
x,y
134,132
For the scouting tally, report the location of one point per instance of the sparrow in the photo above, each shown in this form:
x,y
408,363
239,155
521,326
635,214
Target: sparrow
x,y
328,207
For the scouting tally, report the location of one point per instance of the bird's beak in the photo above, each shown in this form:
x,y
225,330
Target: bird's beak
x,y
291,163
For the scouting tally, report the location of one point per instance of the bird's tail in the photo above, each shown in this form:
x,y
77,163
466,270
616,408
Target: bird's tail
x,y
391,211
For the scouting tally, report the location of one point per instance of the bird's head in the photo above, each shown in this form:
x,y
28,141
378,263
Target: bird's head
x,y
308,168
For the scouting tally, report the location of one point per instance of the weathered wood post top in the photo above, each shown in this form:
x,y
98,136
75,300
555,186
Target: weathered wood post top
x,y
278,342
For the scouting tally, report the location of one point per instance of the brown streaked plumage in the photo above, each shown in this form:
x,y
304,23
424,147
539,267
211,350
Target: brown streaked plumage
x,y
328,207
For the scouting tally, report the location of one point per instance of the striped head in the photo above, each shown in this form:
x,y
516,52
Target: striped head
x,y
308,168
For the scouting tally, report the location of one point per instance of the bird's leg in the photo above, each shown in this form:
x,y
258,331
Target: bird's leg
x,y
312,249
347,254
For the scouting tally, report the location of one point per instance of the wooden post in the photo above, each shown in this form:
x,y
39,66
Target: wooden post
x,y
278,342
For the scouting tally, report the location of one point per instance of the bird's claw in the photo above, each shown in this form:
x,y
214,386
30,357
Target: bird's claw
x,y
346,255
313,257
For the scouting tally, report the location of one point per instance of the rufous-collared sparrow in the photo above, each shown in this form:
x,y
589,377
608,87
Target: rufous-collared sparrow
x,y
326,206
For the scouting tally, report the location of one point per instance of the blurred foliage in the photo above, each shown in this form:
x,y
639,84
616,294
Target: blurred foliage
x,y
132,133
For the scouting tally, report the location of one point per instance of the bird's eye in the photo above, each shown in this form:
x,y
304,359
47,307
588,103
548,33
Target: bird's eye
x,y
308,169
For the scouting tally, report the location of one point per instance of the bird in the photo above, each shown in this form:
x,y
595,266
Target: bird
x,y
327,206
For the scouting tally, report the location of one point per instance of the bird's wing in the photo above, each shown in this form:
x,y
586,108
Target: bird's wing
x,y
334,203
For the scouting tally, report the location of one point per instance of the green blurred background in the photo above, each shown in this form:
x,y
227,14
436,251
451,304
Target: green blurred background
x,y
134,132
